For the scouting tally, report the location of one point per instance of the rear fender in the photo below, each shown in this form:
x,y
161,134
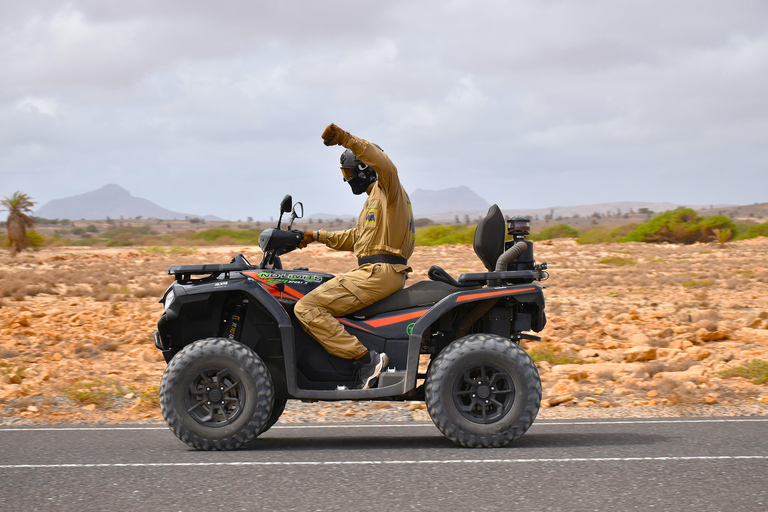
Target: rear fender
x,y
523,293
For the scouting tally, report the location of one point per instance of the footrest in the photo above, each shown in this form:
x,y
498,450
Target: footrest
x,y
389,378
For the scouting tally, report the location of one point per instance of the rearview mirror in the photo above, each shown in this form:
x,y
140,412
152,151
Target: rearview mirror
x,y
298,211
286,203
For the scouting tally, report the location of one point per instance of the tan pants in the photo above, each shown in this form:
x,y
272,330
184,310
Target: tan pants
x,y
343,295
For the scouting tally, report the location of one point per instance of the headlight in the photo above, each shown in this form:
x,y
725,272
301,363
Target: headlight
x,y
169,298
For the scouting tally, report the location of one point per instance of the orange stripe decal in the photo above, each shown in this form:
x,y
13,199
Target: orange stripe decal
x,y
395,319
347,322
273,288
491,294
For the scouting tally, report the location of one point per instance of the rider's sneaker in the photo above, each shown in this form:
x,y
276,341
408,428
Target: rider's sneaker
x,y
371,371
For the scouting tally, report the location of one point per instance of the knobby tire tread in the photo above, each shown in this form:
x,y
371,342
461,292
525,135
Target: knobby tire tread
x,y
253,366
436,382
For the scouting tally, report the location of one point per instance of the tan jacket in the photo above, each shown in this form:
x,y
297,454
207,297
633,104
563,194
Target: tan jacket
x,y
385,225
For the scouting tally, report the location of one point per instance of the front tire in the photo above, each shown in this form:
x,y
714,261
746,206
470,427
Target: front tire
x,y
483,391
216,394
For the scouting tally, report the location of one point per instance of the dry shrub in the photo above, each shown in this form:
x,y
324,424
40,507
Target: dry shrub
x,y
8,353
109,345
658,342
676,392
655,367
87,350
151,290
679,366
606,374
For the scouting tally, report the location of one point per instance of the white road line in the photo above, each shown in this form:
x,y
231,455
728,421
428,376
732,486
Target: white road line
x,y
382,462
542,423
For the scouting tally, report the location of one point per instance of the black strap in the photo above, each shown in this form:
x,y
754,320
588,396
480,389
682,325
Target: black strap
x,y
382,258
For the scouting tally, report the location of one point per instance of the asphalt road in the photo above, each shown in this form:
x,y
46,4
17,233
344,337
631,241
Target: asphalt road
x,y
702,464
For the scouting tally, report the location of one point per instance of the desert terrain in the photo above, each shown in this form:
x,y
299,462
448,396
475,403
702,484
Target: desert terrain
x,y
634,330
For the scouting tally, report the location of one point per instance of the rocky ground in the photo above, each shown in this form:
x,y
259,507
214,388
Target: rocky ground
x,y
634,330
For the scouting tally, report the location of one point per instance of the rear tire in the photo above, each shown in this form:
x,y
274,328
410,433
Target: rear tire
x,y
216,394
483,391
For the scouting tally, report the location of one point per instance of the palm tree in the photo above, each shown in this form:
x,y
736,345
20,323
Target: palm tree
x,y
18,205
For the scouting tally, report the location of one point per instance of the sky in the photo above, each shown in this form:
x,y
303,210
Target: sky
x,y
216,108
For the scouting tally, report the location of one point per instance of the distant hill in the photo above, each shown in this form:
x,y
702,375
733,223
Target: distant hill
x,y
447,201
111,201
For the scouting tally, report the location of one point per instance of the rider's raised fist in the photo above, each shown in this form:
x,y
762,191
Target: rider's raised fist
x,y
333,135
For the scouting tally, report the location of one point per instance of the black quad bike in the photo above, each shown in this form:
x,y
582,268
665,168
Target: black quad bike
x,y
236,352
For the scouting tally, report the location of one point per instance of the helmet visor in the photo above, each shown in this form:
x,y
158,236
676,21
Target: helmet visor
x,y
347,173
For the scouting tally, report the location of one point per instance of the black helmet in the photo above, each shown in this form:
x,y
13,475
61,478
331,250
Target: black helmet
x,y
358,174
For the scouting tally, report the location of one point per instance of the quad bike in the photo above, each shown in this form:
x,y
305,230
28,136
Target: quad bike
x,y
236,353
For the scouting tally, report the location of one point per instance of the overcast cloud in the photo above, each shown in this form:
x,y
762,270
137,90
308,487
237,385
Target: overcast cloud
x,y
217,108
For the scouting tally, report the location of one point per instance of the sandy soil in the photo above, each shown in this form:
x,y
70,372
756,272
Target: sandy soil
x,y
642,330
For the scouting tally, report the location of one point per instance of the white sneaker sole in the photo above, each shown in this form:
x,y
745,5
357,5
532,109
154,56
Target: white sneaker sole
x,y
383,361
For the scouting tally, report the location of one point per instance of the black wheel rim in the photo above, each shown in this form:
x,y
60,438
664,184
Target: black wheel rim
x,y
214,397
483,392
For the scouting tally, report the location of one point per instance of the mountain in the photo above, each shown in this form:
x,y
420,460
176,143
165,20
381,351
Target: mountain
x,y
109,201
447,201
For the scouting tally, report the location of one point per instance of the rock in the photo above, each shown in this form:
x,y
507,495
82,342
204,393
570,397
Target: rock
x,y
711,398
705,335
697,372
588,353
652,393
639,339
563,387
32,408
11,391
557,400
698,353
89,407
579,375
14,378
641,353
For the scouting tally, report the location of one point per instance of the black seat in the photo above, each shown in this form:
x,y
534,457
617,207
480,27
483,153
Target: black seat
x,y
423,293
489,238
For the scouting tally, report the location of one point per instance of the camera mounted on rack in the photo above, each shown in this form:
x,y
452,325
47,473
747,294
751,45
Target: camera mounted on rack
x,y
519,227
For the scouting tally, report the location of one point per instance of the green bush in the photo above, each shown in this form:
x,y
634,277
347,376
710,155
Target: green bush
x,y
683,225
617,261
556,231
756,370
226,236
605,235
124,232
752,231
34,239
442,234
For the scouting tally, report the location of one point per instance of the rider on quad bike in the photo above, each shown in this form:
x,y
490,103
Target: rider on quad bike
x,y
237,349
382,240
